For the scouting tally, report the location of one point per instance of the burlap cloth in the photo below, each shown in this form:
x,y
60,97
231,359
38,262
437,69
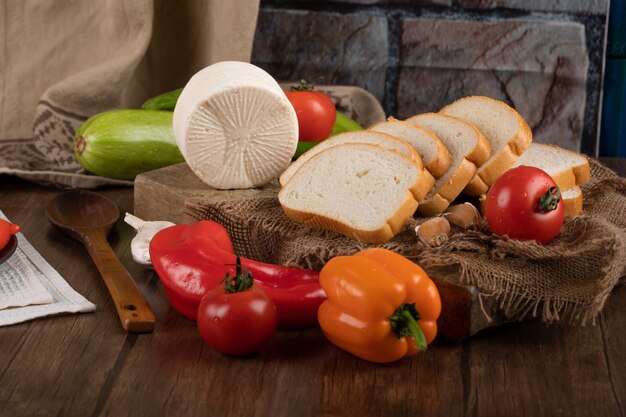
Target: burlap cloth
x,y
63,61
569,279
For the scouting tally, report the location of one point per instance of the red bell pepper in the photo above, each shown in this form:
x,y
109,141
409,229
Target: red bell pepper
x,y
192,259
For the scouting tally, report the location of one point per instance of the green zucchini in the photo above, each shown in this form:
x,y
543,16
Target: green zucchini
x,y
124,143
165,101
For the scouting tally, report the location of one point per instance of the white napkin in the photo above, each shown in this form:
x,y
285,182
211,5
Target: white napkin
x,y
31,288
19,285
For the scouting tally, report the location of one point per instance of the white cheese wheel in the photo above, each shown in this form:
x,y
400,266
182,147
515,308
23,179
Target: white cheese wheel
x,y
235,126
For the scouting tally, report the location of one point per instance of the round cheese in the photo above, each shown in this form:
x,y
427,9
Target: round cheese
x,y
235,126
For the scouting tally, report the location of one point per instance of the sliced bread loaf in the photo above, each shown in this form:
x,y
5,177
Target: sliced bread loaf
x,y
467,147
356,189
419,189
566,168
507,133
435,155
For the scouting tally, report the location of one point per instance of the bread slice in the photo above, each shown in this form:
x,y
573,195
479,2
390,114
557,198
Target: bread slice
x,y
507,133
572,199
434,154
468,149
419,190
356,189
566,168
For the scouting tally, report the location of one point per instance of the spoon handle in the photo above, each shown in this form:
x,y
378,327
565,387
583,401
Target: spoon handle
x,y
134,311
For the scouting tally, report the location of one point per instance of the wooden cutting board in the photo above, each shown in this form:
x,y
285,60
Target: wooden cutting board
x,y
162,194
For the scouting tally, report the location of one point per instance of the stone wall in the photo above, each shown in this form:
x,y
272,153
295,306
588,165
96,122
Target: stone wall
x,y
544,57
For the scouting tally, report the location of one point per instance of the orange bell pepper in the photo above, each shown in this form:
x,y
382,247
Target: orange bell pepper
x,y
381,307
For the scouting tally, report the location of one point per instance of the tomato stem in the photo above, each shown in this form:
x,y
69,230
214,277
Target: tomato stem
x,y
304,85
404,323
550,200
240,282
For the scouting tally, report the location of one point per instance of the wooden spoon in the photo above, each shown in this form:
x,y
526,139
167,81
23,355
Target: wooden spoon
x,y
88,218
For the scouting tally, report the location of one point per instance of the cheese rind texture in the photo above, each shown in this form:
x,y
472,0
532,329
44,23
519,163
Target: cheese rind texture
x,y
235,126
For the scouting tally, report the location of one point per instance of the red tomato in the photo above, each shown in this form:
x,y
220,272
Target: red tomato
x,y
316,114
238,323
513,205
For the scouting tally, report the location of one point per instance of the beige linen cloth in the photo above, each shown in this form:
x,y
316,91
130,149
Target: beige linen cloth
x,y
63,61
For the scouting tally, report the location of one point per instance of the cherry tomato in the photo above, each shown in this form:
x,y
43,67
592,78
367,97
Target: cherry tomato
x,y
524,203
316,114
238,318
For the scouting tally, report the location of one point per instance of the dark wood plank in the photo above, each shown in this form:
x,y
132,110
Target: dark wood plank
x,y
299,373
534,369
613,328
612,324
58,363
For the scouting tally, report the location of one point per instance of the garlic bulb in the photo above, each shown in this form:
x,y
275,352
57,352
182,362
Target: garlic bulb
x,y
140,245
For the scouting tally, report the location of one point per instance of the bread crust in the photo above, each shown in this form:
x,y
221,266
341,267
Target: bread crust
x,y
573,175
383,234
504,158
573,206
423,186
565,179
446,194
582,172
486,176
426,179
441,163
392,226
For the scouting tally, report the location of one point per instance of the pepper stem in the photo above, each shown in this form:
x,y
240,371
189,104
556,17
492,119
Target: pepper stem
x,y
240,282
550,200
404,323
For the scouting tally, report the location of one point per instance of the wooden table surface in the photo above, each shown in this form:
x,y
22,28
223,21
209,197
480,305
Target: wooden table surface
x,y
85,365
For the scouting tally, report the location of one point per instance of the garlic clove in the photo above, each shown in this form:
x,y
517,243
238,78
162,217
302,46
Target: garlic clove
x,y
134,221
463,215
433,232
140,245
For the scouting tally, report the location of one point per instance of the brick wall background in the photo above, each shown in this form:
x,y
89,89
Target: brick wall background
x,y
543,57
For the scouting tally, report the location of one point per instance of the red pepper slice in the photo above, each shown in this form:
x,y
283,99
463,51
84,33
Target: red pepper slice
x,y
192,259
